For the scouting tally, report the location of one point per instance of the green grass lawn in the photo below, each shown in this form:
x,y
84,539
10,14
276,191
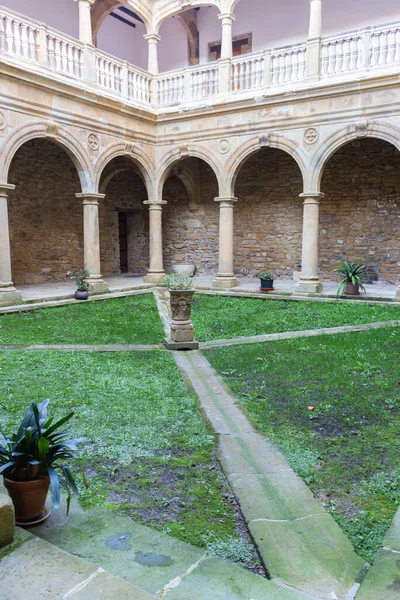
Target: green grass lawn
x,y
148,453
348,448
218,317
129,320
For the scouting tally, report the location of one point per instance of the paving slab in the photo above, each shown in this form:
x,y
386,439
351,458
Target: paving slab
x,y
215,580
300,543
383,580
38,570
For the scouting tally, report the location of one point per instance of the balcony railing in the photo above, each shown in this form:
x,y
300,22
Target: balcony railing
x,y
369,51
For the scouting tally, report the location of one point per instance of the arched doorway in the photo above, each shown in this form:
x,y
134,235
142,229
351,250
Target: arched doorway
x,y
45,217
190,217
268,214
360,213
124,219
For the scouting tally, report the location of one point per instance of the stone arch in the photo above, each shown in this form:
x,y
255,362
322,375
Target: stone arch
x,y
362,129
174,156
170,9
52,132
121,149
244,152
102,8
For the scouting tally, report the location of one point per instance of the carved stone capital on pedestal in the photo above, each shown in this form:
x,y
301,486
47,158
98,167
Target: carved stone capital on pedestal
x,y
90,198
312,197
227,17
8,294
5,188
226,200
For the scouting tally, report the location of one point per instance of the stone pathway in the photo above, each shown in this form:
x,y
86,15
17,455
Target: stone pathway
x,y
85,347
300,543
383,579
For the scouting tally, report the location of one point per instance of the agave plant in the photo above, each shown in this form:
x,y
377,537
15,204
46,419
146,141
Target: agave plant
x,y
37,449
350,272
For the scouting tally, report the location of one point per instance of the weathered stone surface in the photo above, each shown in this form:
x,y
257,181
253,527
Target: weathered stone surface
x,y
7,520
383,579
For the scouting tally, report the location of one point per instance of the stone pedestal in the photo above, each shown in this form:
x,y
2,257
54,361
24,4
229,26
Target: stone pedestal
x,y
398,294
182,331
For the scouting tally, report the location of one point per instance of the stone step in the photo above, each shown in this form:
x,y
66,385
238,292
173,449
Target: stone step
x,y
383,580
32,568
163,566
7,520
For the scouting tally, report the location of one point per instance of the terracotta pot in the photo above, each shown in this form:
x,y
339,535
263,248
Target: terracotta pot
x,y
81,295
28,497
351,290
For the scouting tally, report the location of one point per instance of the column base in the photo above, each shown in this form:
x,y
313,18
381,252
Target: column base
x,y
97,286
308,285
225,283
155,277
10,296
397,297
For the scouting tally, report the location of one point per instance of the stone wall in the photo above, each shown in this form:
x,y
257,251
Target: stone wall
x,y
268,217
125,190
46,219
360,214
191,226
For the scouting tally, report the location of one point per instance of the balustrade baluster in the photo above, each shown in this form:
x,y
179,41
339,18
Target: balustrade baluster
x,y
9,35
397,53
339,57
24,41
391,46
32,43
70,59
2,35
375,50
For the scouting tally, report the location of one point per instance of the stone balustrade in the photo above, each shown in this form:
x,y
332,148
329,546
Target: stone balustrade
x,y
365,52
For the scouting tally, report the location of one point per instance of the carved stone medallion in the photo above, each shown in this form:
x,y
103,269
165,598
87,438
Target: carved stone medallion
x,y
224,146
311,135
93,142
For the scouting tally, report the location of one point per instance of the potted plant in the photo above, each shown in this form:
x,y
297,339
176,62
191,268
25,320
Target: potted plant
x,y
352,275
82,287
31,461
181,291
267,280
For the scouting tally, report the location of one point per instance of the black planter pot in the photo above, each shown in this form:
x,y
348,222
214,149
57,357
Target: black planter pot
x,y
81,295
266,284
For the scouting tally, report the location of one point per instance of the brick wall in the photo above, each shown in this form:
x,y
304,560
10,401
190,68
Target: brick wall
x,y
268,214
191,227
360,214
125,190
46,222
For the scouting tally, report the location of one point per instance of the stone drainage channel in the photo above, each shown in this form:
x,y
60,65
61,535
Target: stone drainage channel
x,y
300,544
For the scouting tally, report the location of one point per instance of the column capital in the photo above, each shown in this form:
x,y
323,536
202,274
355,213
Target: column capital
x,y
90,197
227,16
5,188
312,197
152,37
226,200
90,2
156,204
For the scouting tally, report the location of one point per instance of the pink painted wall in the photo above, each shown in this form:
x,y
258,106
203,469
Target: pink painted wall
x,y
123,41
173,50
60,14
339,15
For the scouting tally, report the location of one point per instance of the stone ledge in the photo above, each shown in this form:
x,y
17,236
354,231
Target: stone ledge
x,y
7,520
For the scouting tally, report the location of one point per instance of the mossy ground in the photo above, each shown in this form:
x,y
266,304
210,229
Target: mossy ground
x,y
348,447
148,453
216,317
129,320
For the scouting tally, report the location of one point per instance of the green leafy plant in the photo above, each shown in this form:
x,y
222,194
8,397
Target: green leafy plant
x,y
350,272
35,450
266,275
178,281
80,279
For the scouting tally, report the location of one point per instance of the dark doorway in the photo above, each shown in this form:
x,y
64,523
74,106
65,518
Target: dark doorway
x,y
123,241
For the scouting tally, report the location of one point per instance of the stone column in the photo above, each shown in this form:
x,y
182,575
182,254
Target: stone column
x,y
156,269
309,282
8,293
225,62
398,294
153,39
85,21
91,242
225,278
314,40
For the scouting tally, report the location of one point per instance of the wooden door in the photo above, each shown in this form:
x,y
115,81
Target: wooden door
x,y
123,241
